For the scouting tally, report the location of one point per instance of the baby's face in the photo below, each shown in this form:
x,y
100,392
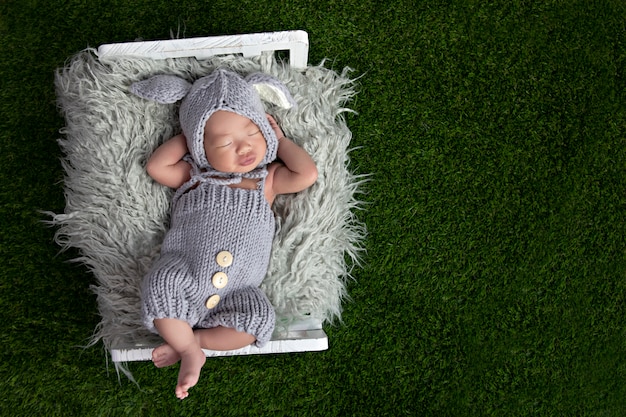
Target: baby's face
x,y
233,143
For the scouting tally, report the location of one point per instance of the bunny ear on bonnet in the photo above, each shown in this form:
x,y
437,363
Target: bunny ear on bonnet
x,y
163,89
271,90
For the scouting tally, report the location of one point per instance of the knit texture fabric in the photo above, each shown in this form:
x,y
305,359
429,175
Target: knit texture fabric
x,y
206,221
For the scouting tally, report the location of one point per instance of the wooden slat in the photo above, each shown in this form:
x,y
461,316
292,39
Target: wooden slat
x,y
249,45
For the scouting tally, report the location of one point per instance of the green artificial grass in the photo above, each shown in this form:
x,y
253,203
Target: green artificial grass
x,y
495,277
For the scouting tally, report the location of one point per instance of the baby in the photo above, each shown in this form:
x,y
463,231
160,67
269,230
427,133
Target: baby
x,y
227,166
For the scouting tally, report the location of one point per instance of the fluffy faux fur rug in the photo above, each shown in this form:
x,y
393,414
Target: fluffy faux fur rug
x,y
117,216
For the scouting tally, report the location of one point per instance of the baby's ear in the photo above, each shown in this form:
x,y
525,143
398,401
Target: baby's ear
x,y
271,90
164,89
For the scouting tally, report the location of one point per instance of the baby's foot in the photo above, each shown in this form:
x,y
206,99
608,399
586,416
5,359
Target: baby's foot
x,y
190,366
164,356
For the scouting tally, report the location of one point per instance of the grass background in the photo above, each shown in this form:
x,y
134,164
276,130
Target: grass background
x,y
495,276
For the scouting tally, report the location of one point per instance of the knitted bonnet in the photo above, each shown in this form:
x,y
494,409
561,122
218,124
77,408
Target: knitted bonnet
x,y
221,90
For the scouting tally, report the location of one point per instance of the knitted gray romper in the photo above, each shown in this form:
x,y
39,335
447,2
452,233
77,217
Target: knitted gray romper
x,y
190,281
208,220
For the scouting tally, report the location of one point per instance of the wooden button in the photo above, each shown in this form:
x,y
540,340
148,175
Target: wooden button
x,y
212,301
224,259
219,280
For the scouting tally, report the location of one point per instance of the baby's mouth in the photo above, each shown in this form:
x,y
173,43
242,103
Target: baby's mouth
x,y
247,160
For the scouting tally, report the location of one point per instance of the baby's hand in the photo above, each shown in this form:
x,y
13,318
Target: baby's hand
x,y
274,125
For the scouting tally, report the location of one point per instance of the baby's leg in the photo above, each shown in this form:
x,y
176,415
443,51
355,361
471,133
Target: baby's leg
x,y
223,338
217,338
180,337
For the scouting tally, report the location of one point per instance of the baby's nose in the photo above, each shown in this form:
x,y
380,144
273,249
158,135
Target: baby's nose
x,y
244,148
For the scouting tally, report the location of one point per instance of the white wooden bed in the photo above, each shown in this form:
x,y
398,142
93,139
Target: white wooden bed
x,y
306,335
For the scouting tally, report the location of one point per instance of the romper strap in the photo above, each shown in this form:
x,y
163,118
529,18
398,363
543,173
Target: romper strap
x,y
216,177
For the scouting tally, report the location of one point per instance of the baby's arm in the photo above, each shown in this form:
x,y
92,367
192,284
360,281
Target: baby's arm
x,y
166,165
297,171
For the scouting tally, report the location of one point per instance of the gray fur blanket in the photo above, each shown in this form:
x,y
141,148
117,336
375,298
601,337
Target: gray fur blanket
x,y
116,216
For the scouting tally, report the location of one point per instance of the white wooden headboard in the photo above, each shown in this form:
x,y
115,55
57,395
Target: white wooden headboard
x,y
295,42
